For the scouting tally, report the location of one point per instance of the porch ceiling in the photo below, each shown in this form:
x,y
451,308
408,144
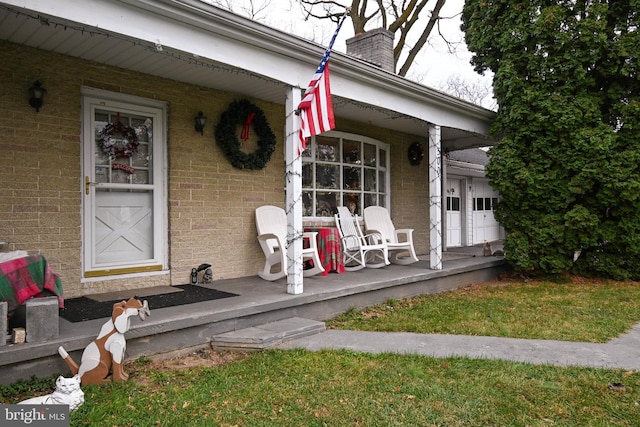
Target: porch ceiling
x,y
55,34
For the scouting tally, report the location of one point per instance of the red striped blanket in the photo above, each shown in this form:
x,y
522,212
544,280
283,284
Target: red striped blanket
x,y
28,277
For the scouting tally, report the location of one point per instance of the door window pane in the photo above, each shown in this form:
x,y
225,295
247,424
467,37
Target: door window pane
x,y
141,157
141,177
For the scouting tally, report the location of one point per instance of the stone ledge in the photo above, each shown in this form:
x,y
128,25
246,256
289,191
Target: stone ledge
x,y
268,335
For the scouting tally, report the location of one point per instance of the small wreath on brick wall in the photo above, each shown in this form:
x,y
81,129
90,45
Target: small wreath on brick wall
x,y
416,153
118,140
246,114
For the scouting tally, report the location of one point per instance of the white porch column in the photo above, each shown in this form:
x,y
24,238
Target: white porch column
x,y
293,193
435,198
443,207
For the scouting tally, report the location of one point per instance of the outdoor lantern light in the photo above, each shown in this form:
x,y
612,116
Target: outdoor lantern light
x,y
36,92
200,122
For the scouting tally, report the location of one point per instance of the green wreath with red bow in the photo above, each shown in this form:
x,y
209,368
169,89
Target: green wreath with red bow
x,y
247,115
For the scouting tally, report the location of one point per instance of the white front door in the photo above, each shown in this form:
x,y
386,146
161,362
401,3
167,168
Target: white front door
x,y
124,184
454,217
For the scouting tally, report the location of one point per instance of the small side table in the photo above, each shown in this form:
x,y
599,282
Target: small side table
x,y
329,249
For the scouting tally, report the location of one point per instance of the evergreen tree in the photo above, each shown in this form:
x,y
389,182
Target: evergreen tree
x,y
567,165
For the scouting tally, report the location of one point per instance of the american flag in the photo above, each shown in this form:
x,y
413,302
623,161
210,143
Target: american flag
x,y
316,108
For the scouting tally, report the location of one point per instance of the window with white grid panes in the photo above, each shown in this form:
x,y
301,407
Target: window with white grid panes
x,y
340,169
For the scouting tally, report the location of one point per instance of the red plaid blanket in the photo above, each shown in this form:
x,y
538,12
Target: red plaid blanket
x,y
28,277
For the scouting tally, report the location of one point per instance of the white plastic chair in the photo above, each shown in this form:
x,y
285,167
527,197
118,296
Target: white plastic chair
x,y
271,223
359,251
399,241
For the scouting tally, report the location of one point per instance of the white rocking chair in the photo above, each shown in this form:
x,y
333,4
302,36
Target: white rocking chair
x,y
359,251
399,241
271,223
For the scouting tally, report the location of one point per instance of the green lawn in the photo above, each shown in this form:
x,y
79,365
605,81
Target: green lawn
x,y
341,388
588,311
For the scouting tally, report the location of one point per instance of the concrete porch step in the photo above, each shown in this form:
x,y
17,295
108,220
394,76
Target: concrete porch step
x,y
267,335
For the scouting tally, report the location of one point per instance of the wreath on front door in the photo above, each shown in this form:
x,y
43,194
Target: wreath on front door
x,y
118,140
247,115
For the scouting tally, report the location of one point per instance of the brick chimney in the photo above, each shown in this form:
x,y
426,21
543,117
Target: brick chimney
x,y
375,47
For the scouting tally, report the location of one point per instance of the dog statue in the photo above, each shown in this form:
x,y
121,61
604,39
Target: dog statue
x,y
105,355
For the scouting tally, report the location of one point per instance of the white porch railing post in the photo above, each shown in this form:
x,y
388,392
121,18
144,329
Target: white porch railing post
x,y
435,198
293,179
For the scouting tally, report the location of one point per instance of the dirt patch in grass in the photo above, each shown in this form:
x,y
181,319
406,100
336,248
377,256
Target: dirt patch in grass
x,y
143,370
199,359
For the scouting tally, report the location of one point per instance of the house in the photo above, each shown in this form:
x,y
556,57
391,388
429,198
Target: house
x,y
111,178
470,199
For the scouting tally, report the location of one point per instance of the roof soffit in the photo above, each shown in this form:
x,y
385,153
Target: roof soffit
x,y
280,59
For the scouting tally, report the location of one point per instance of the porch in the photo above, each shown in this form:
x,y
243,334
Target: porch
x,y
185,327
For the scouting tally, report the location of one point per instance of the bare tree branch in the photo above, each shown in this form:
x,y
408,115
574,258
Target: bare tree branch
x,y
451,45
475,91
255,9
412,22
328,7
435,16
404,18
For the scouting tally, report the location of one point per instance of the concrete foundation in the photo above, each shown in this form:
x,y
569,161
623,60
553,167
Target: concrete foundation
x,y
173,329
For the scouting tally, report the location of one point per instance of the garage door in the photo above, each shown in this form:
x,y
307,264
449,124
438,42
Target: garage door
x,y
454,218
485,226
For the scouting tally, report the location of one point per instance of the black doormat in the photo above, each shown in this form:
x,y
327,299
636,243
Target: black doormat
x,y
83,308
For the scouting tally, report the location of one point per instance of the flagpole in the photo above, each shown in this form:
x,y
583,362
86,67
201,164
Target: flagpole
x,y
316,109
293,180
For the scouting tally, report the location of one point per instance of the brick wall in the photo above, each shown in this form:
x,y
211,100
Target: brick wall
x,y
211,205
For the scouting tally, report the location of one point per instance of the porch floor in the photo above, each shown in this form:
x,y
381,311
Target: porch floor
x,y
185,327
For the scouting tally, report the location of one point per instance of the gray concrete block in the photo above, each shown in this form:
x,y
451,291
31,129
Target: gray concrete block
x,y
42,319
269,334
4,309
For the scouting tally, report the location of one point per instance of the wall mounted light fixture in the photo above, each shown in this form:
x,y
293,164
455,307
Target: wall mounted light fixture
x,y
200,122
36,93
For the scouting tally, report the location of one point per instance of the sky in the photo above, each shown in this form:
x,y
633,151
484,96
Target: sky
x,y
432,67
